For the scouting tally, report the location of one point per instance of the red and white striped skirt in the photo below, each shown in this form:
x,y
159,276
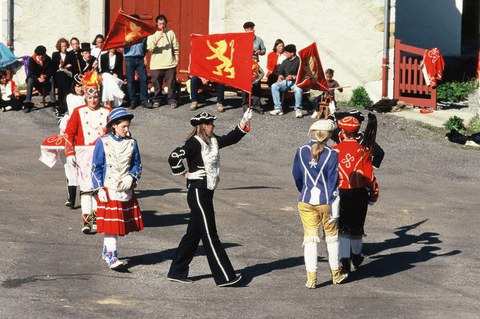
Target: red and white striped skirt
x,y
120,218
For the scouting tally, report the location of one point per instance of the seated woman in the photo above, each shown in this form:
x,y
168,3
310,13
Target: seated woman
x,y
9,94
274,59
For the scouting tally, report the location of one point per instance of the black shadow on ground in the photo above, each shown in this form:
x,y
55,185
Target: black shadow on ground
x,y
161,256
403,239
387,265
143,193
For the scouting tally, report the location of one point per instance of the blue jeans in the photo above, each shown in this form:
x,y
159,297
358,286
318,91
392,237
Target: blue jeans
x,y
284,86
196,83
133,64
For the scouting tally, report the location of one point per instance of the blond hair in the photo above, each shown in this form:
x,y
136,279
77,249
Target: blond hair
x,y
321,137
200,131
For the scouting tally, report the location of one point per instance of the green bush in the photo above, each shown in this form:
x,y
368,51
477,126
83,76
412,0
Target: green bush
x,y
454,92
454,123
360,98
474,125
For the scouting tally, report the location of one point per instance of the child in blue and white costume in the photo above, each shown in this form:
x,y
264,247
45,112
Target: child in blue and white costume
x,y
116,168
315,170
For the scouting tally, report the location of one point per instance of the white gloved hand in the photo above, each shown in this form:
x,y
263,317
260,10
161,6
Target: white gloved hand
x,y
200,174
126,183
335,208
102,196
247,116
71,161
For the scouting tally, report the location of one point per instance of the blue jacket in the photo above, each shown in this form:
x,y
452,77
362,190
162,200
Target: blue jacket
x,y
317,182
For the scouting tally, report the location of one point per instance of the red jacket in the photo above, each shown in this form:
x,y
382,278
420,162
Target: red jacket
x,y
85,127
355,167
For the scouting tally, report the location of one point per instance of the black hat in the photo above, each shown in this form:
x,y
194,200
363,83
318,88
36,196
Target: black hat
x,y
290,48
248,25
40,50
202,118
85,46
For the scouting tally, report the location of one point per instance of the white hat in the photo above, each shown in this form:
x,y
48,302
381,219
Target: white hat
x,y
322,125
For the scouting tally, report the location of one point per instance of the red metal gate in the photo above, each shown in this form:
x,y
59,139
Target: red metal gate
x,y
409,83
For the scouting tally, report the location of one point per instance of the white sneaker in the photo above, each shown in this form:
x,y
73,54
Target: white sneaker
x,y
298,113
276,112
314,115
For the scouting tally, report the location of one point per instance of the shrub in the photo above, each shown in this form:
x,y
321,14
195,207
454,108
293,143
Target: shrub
x,y
474,125
454,92
360,98
454,123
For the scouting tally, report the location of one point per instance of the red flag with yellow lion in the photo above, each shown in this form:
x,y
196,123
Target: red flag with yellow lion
x,y
223,58
126,31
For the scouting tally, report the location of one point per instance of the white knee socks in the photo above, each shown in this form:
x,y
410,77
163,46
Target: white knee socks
x,y
344,247
86,201
110,242
356,246
333,252
311,256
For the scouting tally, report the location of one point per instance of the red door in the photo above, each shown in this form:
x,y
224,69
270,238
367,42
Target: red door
x,y
184,18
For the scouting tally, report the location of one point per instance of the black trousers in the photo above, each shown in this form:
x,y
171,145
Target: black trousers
x,y
202,226
353,211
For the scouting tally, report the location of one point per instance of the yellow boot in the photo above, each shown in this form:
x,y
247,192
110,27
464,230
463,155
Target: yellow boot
x,y
338,277
311,280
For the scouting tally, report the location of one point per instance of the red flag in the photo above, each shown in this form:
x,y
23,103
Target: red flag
x,y
223,58
310,73
126,31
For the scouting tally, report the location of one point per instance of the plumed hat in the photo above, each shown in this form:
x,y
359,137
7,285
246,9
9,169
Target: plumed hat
x,y
202,118
117,114
91,83
40,50
349,124
322,125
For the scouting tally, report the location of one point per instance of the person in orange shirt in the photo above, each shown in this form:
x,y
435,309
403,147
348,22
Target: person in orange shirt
x,y
274,59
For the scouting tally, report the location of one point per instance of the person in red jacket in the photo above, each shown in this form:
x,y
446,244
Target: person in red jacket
x,y
86,125
357,187
9,94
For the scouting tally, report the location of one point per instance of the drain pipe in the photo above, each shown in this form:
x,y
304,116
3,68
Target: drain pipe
x,y
386,36
10,24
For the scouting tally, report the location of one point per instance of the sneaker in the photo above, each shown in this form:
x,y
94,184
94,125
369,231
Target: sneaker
x,y
155,105
193,106
173,105
180,280
220,107
298,114
116,264
314,115
276,112
231,282
69,204
87,224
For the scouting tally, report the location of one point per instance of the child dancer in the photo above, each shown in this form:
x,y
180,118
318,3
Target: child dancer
x,y
115,170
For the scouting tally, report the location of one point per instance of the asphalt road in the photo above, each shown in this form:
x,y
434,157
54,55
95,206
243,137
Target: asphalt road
x,y
422,244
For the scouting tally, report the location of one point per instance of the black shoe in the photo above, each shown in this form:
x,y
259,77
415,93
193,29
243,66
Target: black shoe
x,y
132,106
357,260
180,280
346,268
231,282
147,105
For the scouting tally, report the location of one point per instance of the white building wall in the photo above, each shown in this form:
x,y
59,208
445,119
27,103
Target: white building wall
x,y
46,21
347,32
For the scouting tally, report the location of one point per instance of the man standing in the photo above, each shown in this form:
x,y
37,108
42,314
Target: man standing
x,y
287,75
258,49
164,60
135,61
